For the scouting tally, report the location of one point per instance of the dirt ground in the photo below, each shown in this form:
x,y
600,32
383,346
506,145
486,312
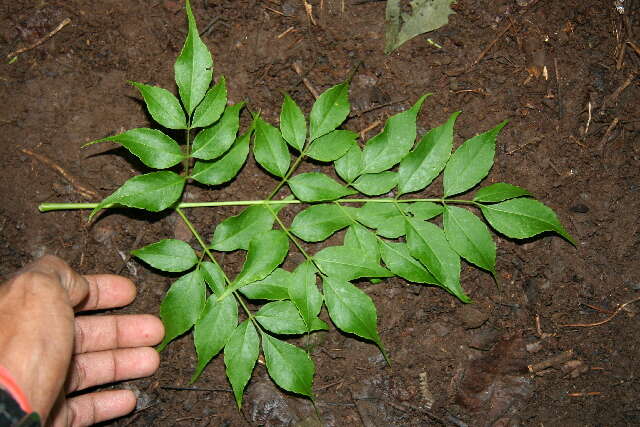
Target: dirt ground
x,y
562,72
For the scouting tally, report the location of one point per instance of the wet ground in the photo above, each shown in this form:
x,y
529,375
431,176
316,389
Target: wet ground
x,y
564,73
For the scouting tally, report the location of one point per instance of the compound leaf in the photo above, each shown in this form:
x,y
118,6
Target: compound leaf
x,y
332,146
182,305
374,184
213,329
348,263
240,355
304,293
237,231
349,166
317,187
522,218
429,245
168,255
329,110
281,317
212,106
318,222
214,141
394,142
163,106
214,276
471,162
397,258
153,192
269,149
293,126
422,165
152,147
499,192
193,67
216,172
273,287
289,366
470,238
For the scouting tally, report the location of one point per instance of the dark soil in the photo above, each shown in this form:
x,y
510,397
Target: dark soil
x,y
562,74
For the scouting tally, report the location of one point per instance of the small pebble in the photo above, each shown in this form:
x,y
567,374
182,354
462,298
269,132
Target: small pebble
x,y
471,317
579,208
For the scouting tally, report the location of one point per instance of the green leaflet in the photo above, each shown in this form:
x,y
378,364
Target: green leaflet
x,y
422,210
428,244
425,16
289,366
269,149
348,263
422,165
282,317
240,355
317,187
304,293
181,306
293,126
362,239
499,192
226,168
212,106
522,218
329,110
168,255
237,231
214,141
194,67
318,222
153,192
332,146
374,184
351,310
273,287
213,329
152,147
349,166
471,162
391,145
385,217
470,238
214,276
163,106
397,258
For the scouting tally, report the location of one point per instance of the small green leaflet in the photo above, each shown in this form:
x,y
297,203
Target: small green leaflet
x,y
289,366
214,141
385,217
212,106
182,305
213,329
522,218
422,165
214,276
470,238
273,287
397,258
240,355
193,67
282,317
153,192
394,142
349,166
163,106
471,162
304,293
364,240
152,147
499,192
374,184
269,149
348,263
168,255
317,187
237,231
329,111
293,126
428,244
351,310
226,168
422,210
318,222
332,146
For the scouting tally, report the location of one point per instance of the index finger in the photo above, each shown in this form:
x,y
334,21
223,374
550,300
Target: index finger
x,y
107,291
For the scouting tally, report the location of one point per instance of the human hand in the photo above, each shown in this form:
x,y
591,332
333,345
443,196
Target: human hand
x,y
50,352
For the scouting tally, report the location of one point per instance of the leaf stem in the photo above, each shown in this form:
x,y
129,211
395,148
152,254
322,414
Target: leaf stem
x,y
187,160
287,175
289,235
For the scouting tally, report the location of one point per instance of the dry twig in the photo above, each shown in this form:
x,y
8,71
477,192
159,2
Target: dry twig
x,y
553,361
602,322
298,69
488,48
38,42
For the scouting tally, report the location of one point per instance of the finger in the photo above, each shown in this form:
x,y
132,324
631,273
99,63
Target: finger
x,y
59,271
97,333
92,408
106,291
103,367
